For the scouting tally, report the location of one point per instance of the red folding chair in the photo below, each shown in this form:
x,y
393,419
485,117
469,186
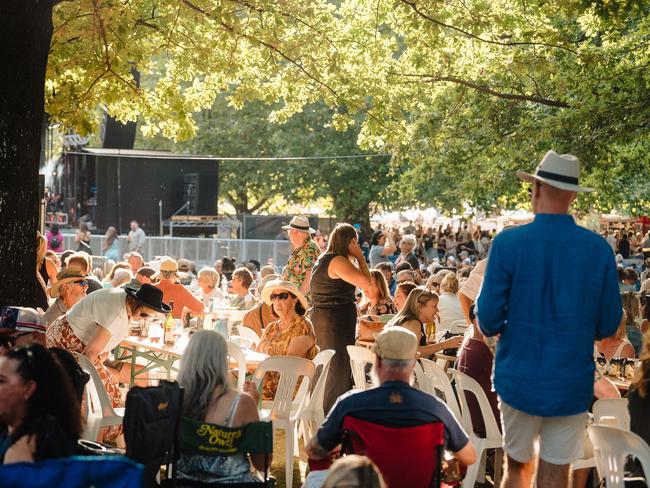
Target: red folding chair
x,y
408,457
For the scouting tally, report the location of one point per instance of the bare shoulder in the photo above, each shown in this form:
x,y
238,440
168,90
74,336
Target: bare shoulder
x,y
247,410
22,450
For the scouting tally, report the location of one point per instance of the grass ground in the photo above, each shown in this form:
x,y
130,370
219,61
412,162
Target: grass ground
x,y
278,464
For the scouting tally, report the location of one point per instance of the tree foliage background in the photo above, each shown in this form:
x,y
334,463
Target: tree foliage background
x,y
462,93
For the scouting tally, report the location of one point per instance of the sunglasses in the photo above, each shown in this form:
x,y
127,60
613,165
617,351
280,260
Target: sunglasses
x,y
279,296
82,283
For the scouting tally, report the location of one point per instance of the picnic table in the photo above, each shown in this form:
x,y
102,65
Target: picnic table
x,y
157,354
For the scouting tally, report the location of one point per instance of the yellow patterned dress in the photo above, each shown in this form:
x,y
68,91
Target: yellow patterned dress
x,y
275,342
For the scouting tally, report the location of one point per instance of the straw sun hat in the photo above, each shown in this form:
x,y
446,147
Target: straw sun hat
x,y
277,285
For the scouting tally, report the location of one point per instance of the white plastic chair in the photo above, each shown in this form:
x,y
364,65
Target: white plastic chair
x,y
607,411
249,335
493,438
284,409
612,408
100,411
359,358
434,381
235,353
312,415
234,319
611,448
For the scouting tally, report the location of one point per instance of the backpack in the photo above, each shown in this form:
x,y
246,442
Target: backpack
x,y
54,241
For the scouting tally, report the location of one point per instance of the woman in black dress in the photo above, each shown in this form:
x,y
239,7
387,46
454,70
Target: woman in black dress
x,y
334,313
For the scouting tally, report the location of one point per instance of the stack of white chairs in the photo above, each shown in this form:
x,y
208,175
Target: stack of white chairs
x,y
433,380
312,414
493,438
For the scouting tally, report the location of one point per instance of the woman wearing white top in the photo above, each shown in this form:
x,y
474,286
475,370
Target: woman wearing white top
x,y
99,322
449,310
208,280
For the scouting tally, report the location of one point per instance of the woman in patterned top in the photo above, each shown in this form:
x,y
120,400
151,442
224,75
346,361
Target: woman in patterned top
x,y
377,297
292,335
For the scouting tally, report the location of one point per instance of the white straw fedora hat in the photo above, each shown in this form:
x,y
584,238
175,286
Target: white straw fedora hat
x,y
299,223
559,170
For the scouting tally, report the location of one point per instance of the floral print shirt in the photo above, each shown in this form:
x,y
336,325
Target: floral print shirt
x,y
275,342
384,306
301,261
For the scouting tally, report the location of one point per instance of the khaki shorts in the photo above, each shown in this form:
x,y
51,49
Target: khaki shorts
x,y
561,439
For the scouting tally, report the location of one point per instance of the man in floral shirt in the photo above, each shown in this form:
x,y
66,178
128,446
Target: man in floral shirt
x,y
303,256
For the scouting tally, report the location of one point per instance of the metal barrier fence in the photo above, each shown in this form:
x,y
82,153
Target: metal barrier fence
x,y
203,251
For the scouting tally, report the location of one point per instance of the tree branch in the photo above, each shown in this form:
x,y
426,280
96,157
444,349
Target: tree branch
x,y
411,3
486,89
259,205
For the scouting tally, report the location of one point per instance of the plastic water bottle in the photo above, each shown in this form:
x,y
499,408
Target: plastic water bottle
x,y
221,326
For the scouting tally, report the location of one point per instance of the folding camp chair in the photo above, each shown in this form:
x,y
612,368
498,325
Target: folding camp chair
x,y
206,439
408,457
73,472
151,424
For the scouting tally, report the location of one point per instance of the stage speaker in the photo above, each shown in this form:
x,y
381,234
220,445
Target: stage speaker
x,y
201,192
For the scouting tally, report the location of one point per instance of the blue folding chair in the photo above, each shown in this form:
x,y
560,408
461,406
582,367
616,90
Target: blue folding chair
x,y
73,472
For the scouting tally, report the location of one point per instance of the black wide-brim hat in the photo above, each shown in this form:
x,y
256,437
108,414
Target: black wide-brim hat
x,y
148,295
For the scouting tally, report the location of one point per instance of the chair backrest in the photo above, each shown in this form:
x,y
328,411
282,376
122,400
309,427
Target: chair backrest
x,y
466,384
248,334
235,352
98,402
205,438
73,472
359,358
151,424
615,408
291,370
611,448
313,411
408,457
234,319
438,381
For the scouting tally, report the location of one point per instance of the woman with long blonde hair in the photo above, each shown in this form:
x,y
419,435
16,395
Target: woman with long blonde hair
x,y
421,308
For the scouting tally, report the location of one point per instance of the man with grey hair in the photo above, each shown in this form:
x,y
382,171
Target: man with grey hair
x,y
395,403
407,247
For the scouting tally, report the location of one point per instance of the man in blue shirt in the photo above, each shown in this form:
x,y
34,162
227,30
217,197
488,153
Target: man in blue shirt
x,y
550,291
394,403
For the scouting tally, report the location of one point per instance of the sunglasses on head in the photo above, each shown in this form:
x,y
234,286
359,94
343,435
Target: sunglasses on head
x,y
279,296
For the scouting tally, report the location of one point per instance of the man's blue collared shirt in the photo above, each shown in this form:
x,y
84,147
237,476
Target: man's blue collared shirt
x,y
550,291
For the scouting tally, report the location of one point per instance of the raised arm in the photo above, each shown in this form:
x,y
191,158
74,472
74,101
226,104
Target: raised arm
x,y
343,268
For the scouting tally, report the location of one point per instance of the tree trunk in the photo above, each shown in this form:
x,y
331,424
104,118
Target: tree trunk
x,y
25,35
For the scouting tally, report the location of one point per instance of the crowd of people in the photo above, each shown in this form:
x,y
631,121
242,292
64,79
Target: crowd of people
x,y
527,323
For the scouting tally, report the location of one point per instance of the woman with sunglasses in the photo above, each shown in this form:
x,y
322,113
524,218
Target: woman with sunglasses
x,y
291,335
98,323
38,408
421,308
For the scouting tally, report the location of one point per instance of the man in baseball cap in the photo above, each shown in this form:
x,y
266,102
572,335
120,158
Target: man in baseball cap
x,y
394,403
